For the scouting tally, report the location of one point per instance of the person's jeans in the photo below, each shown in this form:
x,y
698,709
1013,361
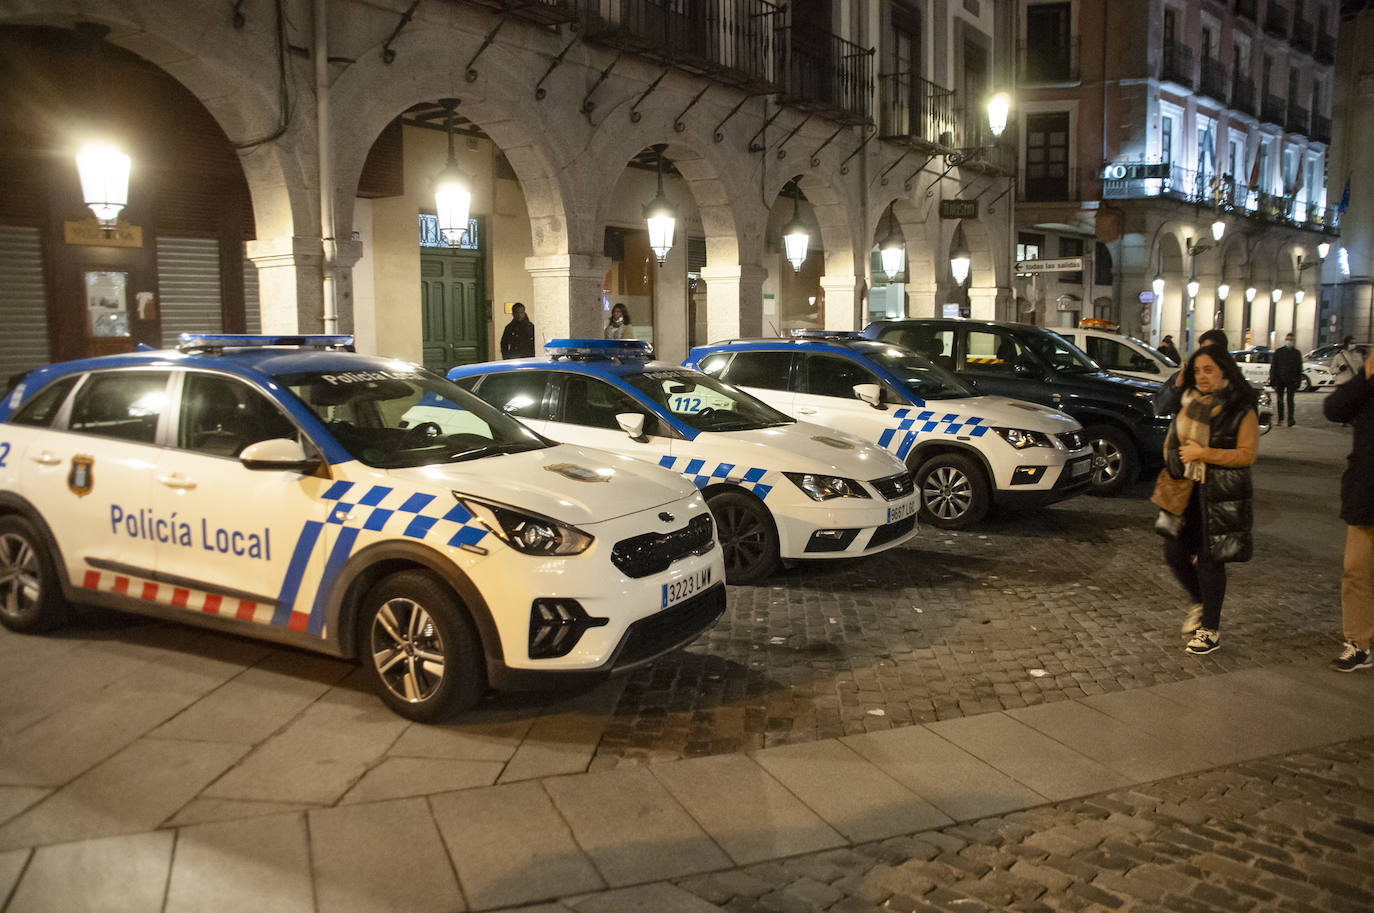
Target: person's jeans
x,y
1204,580
1279,398
1357,586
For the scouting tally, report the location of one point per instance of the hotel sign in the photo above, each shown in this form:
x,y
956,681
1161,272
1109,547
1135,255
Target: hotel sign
x,y
1135,171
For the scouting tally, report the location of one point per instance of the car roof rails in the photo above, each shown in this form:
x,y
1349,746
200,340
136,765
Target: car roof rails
x,y
826,335
599,349
213,343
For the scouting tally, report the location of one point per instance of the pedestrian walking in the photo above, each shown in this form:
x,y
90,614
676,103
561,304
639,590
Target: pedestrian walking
x,y
1167,399
1204,491
518,339
1353,402
1348,362
1285,373
1168,350
619,326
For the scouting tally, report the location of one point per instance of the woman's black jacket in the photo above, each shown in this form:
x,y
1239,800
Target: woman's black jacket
x,y
1227,497
1353,402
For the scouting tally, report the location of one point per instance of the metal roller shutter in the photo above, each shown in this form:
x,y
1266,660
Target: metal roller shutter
x,y
188,284
252,312
23,301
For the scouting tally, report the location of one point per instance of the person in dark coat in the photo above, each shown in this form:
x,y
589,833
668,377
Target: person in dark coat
x,y
1285,374
1204,491
1168,350
1353,403
518,339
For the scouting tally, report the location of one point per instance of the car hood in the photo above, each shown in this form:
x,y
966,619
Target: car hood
x,y
1004,412
578,485
801,447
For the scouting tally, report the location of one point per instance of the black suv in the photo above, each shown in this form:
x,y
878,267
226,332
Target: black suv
x,y
1037,365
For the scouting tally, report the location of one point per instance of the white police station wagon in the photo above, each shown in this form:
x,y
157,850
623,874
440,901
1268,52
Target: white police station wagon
x,y
965,451
289,489
778,488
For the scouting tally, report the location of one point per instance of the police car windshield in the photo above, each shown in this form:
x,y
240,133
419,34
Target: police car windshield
x,y
1061,355
705,403
920,376
394,417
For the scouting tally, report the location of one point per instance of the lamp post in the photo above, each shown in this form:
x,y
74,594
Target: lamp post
x,y
452,188
795,238
661,216
1219,318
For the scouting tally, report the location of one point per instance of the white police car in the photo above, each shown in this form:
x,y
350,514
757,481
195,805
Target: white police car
x,y
289,489
778,488
965,451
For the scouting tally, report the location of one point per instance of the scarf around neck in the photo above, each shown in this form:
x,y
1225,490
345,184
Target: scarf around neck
x,y
1194,423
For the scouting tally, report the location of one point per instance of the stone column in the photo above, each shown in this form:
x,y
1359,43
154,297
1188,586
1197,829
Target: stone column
x,y
290,293
1305,318
1204,310
339,258
1283,318
1234,310
1259,318
843,301
567,295
734,301
982,302
923,298
670,306
1171,312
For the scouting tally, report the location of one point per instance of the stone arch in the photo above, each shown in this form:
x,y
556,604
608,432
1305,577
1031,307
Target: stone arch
x,y
185,47
923,276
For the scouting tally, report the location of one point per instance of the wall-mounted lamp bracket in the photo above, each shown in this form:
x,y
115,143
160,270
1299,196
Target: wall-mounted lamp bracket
x,y
634,113
716,134
844,166
815,156
388,55
753,140
678,125
470,74
782,153
587,103
539,91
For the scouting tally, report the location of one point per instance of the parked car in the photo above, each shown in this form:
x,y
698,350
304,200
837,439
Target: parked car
x,y
1254,364
779,489
288,489
1120,354
1322,355
1034,364
965,451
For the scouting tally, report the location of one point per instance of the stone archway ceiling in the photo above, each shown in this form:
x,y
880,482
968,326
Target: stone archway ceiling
x,y
433,116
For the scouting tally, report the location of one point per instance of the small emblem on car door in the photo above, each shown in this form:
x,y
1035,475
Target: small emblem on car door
x,y
82,476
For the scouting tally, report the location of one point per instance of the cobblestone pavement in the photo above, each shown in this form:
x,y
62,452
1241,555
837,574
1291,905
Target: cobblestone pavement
x,y
1045,605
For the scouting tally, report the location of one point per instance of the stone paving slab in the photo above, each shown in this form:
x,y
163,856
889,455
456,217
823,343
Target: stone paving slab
x,y
748,813
242,867
110,875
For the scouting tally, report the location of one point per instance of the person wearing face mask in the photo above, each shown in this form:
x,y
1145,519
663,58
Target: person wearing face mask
x,y
1285,373
619,326
1204,491
1348,363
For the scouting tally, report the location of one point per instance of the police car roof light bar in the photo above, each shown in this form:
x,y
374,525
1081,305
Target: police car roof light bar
x,y
591,349
825,334
215,342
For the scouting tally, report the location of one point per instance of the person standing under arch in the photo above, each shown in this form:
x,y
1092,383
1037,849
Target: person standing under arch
x,y
619,326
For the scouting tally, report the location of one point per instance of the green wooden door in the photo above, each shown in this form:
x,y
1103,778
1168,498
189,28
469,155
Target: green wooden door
x,y
453,321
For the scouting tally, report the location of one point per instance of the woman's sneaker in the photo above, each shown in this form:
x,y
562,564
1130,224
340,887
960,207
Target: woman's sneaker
x,y
1351,658
1205,640
1193,620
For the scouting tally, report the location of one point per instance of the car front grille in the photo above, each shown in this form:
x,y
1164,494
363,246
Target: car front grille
x,y
1073,440
894,487
890,531
673,627
640,556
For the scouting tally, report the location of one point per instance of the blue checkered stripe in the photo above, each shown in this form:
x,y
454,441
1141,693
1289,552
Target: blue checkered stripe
x,y
696,471
911,424
418,515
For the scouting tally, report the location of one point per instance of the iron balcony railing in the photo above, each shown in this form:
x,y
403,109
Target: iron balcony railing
x,y
1302,35
1178,64
914,108
1042,63
1297,121
1276,19
734,41
543,12
1214,81
1326,48
1273,109
1246,8
823,73
1243,94
1321,128
1225,193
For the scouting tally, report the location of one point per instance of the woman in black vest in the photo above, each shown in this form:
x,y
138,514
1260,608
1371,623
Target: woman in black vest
x,y
1204,491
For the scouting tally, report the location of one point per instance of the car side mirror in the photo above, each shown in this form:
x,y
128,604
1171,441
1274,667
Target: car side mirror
x,y
632,423
870,393
1026,368
278,453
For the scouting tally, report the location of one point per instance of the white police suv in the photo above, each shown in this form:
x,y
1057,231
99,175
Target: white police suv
x,y
289,489
965,451
778,488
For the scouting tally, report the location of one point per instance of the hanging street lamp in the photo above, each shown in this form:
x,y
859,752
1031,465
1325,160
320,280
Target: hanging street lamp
x,y
795,238
452,189
959,258
892,249
998,107
661,216
1218,229
104,174
1158,285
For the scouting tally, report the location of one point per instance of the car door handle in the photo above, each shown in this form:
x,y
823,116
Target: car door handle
x,y
46,458
178,481
806,410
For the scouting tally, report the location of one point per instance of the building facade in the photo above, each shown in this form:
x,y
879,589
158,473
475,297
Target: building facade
x,y
284,154
1142,126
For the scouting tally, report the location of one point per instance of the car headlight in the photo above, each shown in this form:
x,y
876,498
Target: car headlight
x,y
526,532
1021,439
823,488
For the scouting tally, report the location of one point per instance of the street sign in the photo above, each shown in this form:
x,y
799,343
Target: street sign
x,y
958,209
1062,265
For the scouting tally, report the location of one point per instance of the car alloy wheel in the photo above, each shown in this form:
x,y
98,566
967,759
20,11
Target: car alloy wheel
x,y
20,586
408,650
948,493
31,597
748,541
1107,462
